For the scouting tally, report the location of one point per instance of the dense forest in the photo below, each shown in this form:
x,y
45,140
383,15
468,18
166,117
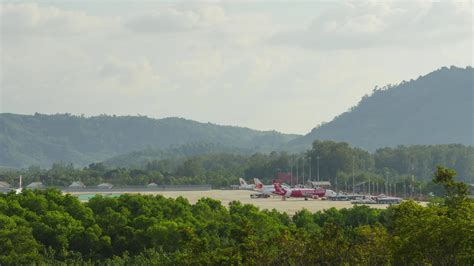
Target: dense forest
x,y
433,109
403,167
46,227
43,139
139,158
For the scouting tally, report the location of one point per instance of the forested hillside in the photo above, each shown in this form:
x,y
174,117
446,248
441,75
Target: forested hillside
x,y
43,139
433,109
137,159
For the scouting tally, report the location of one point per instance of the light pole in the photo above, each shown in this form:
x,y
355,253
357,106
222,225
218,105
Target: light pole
x,y
353,178
291,174
303,169
310,163
317,166
297,173
369,188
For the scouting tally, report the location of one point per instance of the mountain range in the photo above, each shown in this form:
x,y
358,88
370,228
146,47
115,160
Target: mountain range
x,y
433,109
437,108
43,139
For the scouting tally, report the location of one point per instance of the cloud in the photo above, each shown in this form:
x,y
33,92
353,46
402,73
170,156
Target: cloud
x,y
364,24
212,61
32,19
177,20
132,78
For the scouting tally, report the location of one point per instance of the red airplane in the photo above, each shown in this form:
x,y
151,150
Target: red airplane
x,y
299,192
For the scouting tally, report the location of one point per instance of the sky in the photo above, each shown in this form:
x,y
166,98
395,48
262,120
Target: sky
x,y
267,65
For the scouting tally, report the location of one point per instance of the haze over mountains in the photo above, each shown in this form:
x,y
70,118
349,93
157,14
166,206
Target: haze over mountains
x,y
43,139
433,109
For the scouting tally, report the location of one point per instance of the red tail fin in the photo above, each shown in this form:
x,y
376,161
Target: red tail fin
x,y
278,189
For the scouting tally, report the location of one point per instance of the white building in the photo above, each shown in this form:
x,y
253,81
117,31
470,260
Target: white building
x,y
77,184
105,186
35,185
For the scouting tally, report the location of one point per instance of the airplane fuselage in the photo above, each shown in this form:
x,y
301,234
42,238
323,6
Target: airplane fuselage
x,y
307,193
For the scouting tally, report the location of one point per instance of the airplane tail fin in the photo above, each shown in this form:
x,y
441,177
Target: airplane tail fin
x,y
279,189
258,183
242,182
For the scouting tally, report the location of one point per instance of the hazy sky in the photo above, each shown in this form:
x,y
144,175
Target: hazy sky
x,y
263,65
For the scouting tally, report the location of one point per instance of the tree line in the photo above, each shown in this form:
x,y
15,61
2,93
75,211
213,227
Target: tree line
x,y
405,168
47,227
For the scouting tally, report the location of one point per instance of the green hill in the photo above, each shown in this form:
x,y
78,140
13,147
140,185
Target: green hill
x,y
43,139
138,159
433,109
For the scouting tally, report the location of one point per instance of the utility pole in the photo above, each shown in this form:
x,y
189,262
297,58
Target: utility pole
x,y
405,188
353,178
386,183
291,175
317,161
297,173
310,163
303,170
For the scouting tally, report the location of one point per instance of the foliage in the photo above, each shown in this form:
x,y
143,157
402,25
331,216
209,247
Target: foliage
x,y
46,227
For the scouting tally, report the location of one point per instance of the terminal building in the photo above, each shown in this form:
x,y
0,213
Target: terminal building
x,y
35,185
77,184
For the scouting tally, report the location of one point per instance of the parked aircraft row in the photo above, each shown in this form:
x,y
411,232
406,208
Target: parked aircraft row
x,y
285,191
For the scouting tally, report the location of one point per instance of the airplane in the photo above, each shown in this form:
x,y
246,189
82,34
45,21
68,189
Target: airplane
x,y
266,189
260,186
305,193
19,189
244,185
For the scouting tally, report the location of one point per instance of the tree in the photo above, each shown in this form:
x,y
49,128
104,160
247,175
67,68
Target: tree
x,y
455,192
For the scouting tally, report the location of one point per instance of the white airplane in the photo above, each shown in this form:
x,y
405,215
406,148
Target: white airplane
x,y
244,185
330,193
20,188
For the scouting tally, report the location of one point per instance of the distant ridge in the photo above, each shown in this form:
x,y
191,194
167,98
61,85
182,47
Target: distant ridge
x,y
139,158
437,108
43,139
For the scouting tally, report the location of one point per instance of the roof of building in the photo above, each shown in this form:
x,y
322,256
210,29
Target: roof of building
x,y
320,183
35,185
105,185
4,184
77,184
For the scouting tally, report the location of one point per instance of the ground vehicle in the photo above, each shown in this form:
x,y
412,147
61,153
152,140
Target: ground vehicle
x,y
259,196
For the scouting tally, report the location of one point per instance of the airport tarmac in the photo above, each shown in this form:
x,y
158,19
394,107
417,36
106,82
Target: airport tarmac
x,y
290,206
